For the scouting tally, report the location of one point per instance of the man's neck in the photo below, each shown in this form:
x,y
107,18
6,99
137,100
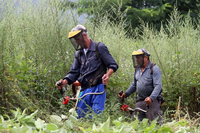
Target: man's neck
x,y
87,43
145,65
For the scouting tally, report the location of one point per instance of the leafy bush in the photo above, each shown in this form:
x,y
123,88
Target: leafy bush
x,y
21,122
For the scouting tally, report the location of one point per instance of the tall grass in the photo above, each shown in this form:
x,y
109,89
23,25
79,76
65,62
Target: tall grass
x,y
35,51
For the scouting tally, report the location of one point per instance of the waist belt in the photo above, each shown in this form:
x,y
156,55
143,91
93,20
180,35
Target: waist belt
x,y
86,86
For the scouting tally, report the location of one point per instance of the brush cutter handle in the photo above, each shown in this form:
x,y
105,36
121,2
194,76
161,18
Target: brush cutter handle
x,y
61,90
120,93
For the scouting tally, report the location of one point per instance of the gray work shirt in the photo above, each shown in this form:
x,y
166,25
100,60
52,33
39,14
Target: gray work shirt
x,y
146,84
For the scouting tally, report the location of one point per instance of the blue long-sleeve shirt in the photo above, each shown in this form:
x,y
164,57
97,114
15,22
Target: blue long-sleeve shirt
x,y
85,70
146,84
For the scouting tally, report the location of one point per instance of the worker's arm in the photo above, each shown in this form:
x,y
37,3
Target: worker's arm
x,y
132,88
106,77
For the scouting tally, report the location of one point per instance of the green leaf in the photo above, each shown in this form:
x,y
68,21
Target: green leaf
x,y
14,130
145,121
69,124
63,116
117,123
51,127
24,129
2,127
31,123
135,124
182,122
105,126
30,117
120,119
30,130
62,130
153,124
82,129
178,52
94,128
55,117
7,116
39,123
16,113
73,118
21,117
165,130
1,118
73,112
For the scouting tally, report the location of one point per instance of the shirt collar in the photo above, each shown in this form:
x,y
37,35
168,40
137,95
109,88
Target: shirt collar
x,y
91,48
149,65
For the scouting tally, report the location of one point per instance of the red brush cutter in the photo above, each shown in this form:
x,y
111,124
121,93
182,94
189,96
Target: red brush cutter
x,y
76,87
66,99
126,108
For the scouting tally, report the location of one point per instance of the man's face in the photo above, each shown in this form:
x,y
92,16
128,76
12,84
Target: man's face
x,y
140,60
79,40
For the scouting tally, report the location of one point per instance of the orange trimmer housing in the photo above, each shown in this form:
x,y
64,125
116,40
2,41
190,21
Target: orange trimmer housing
x,y
74,85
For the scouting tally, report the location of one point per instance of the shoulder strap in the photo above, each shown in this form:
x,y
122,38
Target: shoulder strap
x,y
136,69
97,50
152,65
79,56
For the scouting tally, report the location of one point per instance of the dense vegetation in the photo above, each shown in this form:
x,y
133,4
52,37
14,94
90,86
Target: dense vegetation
x,y
35,52
152,11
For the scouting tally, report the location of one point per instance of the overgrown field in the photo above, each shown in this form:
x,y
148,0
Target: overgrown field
x,y
35,53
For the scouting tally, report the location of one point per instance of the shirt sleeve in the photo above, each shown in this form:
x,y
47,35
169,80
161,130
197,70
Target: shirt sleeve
x,y
106,57
74,72
132,88
157,83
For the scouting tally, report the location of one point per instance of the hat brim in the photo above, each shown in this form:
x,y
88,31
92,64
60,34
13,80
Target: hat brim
x,y
73,33
137,53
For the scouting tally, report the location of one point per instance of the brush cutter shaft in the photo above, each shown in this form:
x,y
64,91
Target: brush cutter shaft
x,y
88,94
137,109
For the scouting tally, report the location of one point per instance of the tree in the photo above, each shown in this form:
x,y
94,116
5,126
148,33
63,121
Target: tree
x,y
151,11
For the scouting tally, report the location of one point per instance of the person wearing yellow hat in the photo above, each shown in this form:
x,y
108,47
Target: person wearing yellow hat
x,y
147,82
93,65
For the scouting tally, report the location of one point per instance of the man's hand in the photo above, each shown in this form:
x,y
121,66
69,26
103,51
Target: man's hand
x,y
148,101
62,82
122,96
105,78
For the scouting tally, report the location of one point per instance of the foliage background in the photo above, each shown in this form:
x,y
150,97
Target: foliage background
x,y
152,11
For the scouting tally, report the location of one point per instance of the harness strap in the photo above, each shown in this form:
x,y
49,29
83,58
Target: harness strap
x,y
96,52
98,73
152,65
